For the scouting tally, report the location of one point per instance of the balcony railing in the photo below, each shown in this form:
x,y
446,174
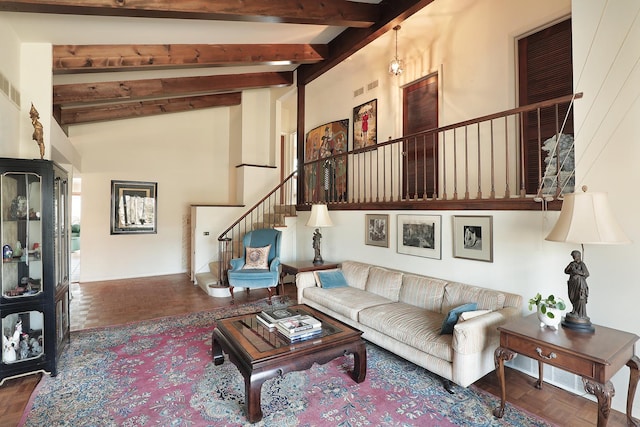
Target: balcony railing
x,y
506,160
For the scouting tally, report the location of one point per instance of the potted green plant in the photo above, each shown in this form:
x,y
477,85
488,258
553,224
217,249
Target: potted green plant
x,y
549,309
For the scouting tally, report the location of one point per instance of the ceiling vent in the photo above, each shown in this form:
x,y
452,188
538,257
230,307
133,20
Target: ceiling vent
x,y
358,92
372,85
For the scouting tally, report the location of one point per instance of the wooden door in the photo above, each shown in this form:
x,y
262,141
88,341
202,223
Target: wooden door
x,y
545,72
420,154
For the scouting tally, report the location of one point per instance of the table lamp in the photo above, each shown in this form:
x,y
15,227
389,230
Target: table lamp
x,y
319,218
585,218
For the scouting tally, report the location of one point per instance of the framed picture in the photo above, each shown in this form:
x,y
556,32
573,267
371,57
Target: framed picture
x,y
420,235
326,180
376,230
473,237
365,125
133,207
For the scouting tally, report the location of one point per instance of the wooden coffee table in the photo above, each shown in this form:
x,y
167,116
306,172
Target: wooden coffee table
x,y
261,354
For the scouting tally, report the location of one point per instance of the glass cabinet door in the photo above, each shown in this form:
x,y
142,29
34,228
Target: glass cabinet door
x,y
24,338
60,236
21,234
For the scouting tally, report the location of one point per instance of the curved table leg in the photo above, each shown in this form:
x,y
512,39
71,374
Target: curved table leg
x,y
216,350
604,393
499,357
359,362
634,365
252,392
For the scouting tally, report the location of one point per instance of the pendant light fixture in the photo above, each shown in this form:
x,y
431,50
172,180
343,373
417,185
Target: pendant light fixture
x,y
396,67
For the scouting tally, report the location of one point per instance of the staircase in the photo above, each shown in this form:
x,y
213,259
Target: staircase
x,y
276,218
208,281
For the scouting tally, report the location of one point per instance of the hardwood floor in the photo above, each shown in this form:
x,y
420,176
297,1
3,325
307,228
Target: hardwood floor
x,y
107,303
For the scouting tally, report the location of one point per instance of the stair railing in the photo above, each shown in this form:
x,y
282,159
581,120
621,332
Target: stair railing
x,y
268,212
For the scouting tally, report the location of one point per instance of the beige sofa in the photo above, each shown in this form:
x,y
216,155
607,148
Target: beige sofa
x,y
404,313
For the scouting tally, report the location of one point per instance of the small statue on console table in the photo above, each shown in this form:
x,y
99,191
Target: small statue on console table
x,y
578,291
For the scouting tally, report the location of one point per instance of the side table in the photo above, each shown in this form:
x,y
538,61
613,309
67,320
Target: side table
x,y
295,267
596,357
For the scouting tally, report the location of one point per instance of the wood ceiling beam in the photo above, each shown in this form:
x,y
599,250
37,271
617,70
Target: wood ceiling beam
x,y
105,112
326,12
393,12
100,58
156,88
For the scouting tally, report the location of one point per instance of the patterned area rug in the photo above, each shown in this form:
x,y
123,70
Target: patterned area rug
x,y
161,373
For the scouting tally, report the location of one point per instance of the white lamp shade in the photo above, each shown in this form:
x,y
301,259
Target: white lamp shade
x,y
319,217
586,218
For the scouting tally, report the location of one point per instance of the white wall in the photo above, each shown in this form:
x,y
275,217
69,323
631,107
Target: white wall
x,y
257,140
9,111
36,78
187,161
607,149
523,260
472,44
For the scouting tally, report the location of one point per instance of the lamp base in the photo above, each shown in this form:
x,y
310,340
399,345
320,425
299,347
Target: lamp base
x,y
578,324
318,260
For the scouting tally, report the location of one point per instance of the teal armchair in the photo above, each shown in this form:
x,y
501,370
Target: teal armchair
x,y
247,275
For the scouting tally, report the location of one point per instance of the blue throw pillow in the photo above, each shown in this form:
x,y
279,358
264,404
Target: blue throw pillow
x,y
331,279
452,317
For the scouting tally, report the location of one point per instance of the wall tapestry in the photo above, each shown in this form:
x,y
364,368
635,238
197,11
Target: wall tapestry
x,y
326,180
365,124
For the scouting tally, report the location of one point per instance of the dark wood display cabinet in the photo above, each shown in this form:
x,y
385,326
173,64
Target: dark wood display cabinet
x,y
34,234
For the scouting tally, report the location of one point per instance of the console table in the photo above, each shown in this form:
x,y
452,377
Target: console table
x,y
295,267
596,357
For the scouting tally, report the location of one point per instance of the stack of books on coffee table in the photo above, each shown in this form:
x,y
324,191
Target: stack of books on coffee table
x,y
294,326
300,328
269,318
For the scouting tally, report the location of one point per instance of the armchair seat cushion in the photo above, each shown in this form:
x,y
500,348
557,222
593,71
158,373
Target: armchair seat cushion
x,y
255,273
253,278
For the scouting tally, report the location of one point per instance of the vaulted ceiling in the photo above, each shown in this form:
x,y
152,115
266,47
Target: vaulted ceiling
x,y
116,59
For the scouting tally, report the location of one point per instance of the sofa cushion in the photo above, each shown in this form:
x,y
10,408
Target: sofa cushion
x,y
421,291
346,301
456,294
330,279
356,273
411,325
385,283
451,318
